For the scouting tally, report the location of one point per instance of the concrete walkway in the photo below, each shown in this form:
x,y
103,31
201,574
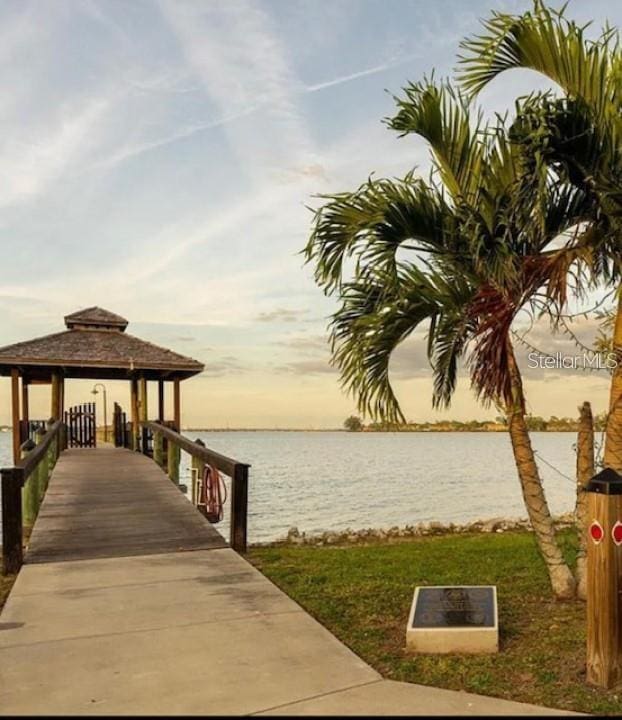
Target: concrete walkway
x,y
192,632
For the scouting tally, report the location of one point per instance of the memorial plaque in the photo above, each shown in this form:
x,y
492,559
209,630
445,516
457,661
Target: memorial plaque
x,y
459,619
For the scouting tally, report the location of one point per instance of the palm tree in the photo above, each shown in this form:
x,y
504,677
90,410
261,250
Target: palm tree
x,y
458,255
576,138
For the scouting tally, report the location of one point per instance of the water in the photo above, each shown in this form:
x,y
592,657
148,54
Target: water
x,y
333,480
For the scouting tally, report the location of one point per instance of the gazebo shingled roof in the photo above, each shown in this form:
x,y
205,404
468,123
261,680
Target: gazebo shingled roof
x,y
95,345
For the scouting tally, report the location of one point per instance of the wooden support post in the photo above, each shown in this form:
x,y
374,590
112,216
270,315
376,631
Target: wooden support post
x,y
142,402
173,458
198,466
12,531
61,398
161,401
134,412
239,508
177,404
25,404
143,413
55,405
17,440
158,449
41,478
604,562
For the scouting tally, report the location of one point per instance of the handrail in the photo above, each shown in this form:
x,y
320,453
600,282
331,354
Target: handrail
x,y
223,463
237,471
30,462
21,501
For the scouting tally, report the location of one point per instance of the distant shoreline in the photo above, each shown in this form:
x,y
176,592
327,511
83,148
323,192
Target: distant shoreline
x,y
4,429
362,432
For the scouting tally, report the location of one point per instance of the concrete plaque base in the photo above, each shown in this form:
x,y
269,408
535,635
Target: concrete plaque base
x,y
454,619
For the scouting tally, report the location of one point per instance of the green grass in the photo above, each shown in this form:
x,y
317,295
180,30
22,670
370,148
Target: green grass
x,y
6,583
363,595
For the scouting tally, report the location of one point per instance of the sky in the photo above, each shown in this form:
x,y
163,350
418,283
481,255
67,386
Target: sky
x,y
159,159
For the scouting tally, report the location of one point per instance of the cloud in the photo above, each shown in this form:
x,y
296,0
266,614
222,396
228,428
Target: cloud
x,y
280,315
227,365
243,63
133,150
362,73
308,367
308,344
33,158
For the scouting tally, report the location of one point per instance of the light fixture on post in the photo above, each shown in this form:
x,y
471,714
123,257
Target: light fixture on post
x,y
95,391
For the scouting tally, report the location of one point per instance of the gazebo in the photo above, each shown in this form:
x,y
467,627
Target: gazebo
x,y
95,345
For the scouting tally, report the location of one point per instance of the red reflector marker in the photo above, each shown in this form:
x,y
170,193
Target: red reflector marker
x,y
596,532
616,533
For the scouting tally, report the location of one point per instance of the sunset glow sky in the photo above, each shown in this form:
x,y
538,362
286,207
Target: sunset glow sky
x,y
157,159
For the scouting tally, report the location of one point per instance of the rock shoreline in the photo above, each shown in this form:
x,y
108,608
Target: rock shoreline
x,y
421,529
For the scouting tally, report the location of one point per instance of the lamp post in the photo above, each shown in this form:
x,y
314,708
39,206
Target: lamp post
x,y
95,391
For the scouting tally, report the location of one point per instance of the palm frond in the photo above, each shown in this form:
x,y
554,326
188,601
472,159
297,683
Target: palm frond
x,y
374,221
441,116
546,41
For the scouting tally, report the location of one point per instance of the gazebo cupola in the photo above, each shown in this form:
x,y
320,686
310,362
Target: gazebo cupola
x,y
95,318
95,345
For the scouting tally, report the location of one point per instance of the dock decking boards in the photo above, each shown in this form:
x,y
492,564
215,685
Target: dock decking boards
x,y
110,502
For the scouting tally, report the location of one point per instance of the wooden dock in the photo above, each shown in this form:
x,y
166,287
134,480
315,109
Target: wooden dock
x,y
112,502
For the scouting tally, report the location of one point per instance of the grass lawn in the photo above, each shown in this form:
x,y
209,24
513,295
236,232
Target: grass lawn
x,y
363,595
6,583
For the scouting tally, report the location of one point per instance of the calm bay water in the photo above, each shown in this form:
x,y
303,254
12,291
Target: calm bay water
x,y
334,480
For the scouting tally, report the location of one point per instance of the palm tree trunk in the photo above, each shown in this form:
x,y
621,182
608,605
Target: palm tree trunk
x,y
585,471
613,440
561,578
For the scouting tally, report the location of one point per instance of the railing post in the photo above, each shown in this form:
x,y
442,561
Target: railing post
x,y
239,508
39,472
173,458
50,456
12,530
199,466
158,449
30,489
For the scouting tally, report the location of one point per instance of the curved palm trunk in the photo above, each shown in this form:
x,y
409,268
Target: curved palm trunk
x,y
613,440
561,578
585,471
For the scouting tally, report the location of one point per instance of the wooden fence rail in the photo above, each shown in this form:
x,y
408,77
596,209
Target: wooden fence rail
x,y
201,456
23,488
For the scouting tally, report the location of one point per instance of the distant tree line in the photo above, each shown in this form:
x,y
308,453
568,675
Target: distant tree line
x,y
535,423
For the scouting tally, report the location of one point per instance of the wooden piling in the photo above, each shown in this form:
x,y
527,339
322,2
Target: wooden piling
x,y
239,508
604,563
158,449
12,480
173,458
31,494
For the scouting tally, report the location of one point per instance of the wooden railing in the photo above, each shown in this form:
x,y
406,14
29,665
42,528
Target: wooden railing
x,y
168,443
23,489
